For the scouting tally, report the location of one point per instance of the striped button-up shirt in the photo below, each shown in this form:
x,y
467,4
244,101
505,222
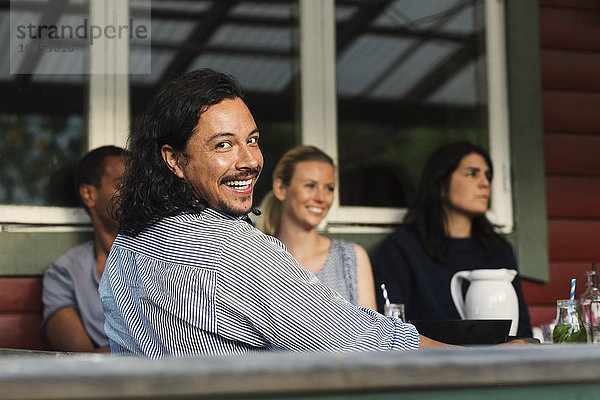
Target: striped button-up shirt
x,y
211,284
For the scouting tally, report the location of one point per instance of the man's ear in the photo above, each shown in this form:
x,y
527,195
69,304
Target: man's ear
x,y
88,195
279,189
171,158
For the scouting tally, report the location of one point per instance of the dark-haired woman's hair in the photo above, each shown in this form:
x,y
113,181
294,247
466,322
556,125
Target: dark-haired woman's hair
x,y
426,217
150,190
284,170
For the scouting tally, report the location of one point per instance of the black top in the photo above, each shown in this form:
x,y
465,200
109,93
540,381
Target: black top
x,y
412,277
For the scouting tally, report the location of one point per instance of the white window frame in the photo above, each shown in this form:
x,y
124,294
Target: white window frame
x,y
108,113
319,113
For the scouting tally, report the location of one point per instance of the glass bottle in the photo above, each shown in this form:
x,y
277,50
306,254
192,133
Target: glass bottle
x,y
590,307
569,325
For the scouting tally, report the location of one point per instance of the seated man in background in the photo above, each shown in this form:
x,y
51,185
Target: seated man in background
x,y
73,316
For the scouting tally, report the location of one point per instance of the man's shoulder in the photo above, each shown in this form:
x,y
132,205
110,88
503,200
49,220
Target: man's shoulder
x,y
209,223
236,234
201,226
191,238
184,224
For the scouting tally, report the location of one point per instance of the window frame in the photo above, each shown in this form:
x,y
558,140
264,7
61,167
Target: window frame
x,y
108,112
319,117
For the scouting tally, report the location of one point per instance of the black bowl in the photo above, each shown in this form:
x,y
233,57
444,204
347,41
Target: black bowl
x,y
465,331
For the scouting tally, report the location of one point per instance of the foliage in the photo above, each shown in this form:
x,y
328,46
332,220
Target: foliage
x,y
34,149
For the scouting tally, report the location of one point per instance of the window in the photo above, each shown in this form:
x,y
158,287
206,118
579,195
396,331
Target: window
x,y
383,82
411,75
63,93
256,42
42,116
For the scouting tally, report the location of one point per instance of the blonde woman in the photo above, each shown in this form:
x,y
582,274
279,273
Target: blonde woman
x,y
303,186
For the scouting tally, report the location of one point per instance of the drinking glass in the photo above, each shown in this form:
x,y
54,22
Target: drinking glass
x,y
395,310
569,325
590,307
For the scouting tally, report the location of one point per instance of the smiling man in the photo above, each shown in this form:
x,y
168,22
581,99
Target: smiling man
x,y
187,274
222,161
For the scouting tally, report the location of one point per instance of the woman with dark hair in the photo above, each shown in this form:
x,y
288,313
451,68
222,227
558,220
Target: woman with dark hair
x,y
445,231
303,186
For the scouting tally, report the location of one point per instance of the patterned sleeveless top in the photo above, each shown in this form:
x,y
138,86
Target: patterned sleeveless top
x,y
339,270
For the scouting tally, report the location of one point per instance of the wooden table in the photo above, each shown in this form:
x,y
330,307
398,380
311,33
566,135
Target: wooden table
x,y
504,372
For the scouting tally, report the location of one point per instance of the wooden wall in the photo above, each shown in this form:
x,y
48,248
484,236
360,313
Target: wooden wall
x,y
21,313
570,62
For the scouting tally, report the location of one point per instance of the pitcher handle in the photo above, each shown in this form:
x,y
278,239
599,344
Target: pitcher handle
x,y
456,291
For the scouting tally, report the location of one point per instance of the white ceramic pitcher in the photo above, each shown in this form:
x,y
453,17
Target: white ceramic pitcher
x,y
489,296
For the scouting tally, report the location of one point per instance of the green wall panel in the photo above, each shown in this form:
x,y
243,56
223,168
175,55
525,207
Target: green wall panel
x,y
530,236
30,253
370,241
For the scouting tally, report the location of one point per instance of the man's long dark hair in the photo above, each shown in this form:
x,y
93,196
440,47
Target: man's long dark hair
x,y
150,190
426,217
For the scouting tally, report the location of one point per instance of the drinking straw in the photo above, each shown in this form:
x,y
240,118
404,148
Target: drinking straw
x,y
385,294
595,275
572,289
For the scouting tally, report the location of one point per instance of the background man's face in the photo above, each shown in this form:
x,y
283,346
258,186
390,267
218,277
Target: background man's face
x,y
224,158
97,198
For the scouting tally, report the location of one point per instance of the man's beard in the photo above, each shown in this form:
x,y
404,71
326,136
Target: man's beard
x,y
237,212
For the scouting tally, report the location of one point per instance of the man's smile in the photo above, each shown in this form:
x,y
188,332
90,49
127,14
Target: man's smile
x,y
240,186
241,183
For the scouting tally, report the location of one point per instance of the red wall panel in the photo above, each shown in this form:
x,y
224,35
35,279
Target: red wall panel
x,y
542,314
559,285
572,70
583,4
21,314
22,331
21,294
572,154
569,196
574,240
569,28
571,111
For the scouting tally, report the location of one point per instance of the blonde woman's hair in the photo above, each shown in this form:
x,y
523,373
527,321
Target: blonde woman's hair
x,y
284,170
